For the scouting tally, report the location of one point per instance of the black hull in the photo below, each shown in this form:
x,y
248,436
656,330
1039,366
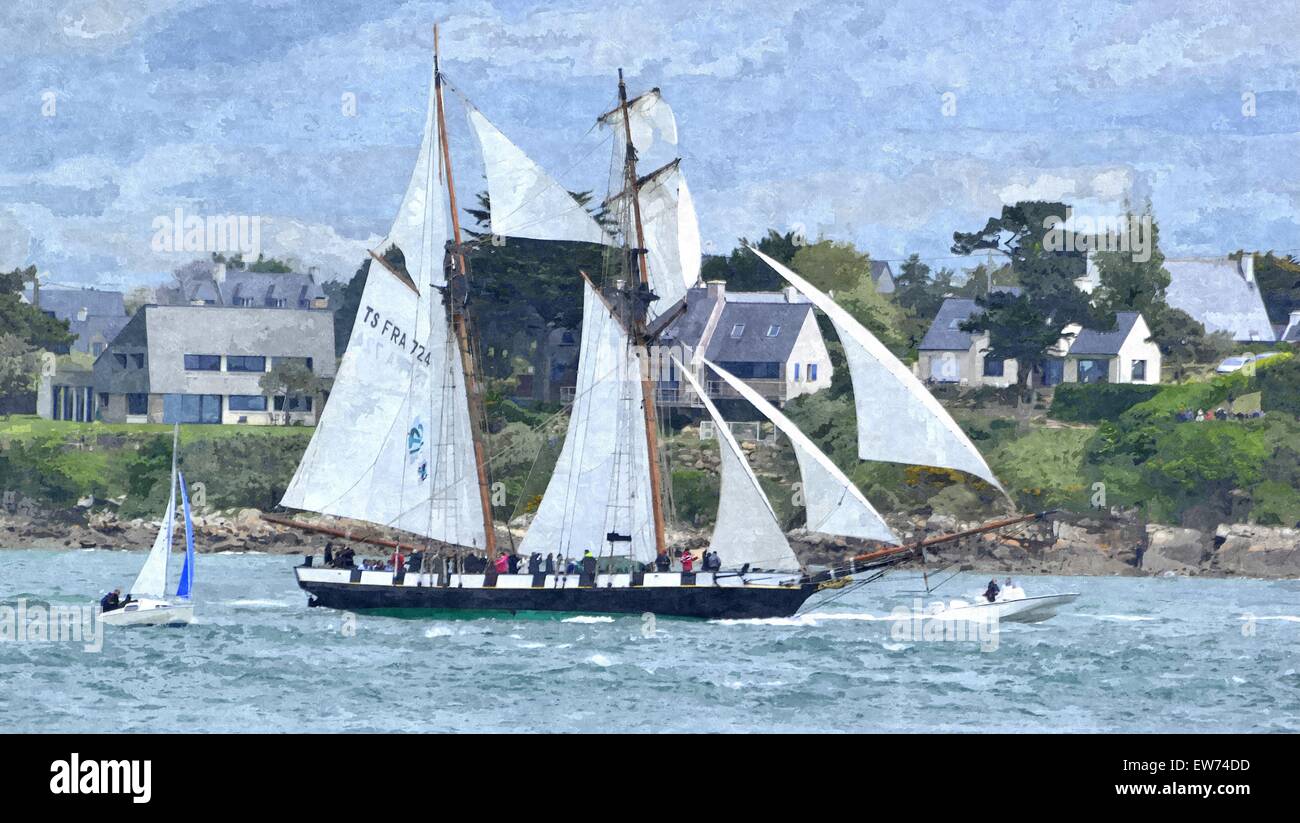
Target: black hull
x,y
706,602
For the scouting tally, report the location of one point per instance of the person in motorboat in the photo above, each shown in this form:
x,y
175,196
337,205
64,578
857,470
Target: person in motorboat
x,y
991,593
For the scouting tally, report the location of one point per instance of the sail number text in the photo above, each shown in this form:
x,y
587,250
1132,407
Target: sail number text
x,y
395,335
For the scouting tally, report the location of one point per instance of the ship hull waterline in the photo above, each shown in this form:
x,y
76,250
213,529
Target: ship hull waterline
x,y
701,602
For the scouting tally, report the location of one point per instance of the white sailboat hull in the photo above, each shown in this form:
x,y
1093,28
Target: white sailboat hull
x,y
1014,610
150,613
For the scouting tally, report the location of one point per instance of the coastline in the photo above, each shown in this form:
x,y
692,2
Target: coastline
x,y
1106,545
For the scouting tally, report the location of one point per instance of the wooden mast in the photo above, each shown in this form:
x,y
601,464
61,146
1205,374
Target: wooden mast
x,y
456,297
641,278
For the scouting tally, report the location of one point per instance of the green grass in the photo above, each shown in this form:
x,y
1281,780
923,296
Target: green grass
x,y
32,427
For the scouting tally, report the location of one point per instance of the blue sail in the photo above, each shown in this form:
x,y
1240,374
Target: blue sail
x,y
187,573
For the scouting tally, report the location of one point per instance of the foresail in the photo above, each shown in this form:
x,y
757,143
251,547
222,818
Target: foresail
x,y
835,505
526,201
746,530
601,483
898,420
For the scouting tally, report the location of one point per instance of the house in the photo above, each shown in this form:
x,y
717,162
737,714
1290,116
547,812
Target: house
x,y
949,355
882,276
1124,354
204,364
94,316
67,387
223,286
1221,294
769,339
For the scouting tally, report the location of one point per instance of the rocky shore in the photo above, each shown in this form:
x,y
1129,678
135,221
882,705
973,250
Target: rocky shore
x,y
1067,545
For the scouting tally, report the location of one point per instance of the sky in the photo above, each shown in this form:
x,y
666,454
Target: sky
x,y
890,125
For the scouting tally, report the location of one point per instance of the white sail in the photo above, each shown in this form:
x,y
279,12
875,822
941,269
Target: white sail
x,y
835,505
898,420
688,234
152,580
651,118
746,530
393,444
672,237
601,482
526,201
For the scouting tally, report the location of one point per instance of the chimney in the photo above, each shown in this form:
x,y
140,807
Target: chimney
x,y
1246,266
219,273
792,295
717,289
82,314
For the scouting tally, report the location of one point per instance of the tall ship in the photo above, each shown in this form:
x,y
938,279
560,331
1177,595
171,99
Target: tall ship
x,y
401,442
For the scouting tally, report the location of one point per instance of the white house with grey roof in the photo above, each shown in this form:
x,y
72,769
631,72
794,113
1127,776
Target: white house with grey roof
x,y
1124,354
771,340
204,364
95,316
220,285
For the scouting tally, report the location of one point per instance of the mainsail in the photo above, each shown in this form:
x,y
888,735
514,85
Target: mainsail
x,y
898,420
746,530
525,201
393,446
600,488
152,580
835,505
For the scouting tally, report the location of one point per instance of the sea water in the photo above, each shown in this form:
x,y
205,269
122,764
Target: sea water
x,y
1132,654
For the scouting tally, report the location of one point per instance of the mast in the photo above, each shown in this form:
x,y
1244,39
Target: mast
x,y
457,297
637,325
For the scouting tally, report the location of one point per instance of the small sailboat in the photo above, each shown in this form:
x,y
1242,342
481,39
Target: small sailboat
x,y
147,604
401,442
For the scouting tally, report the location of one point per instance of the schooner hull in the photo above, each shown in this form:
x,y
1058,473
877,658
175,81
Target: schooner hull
x,y
709,602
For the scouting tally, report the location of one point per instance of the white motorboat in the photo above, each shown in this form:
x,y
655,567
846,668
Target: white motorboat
x,y
147,605
1012,605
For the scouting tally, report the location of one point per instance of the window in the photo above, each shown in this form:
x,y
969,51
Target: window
x,y
773,331
737,330
137,404
244,301
97,349
751,371
137,361
275,302
305,362
202,362
1139,370
246,402
994,367
121,360
240,363
796,372
812,372
103,399
192,408
1094,371
296,403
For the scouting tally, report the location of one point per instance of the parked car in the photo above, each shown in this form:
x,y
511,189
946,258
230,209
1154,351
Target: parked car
x,y
1234,363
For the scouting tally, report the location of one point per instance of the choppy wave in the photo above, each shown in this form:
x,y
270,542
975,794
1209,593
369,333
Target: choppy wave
x,y
584,618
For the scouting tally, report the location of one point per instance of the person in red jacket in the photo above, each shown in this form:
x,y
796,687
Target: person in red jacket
x,y
688,562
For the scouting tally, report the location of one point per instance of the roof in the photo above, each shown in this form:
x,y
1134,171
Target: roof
x,y
96,329
67,303
1221,294
945,332
297,289
754,344
1090,341
689,327
880,268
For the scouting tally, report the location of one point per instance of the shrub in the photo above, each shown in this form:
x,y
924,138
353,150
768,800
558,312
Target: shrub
x,y
1095,402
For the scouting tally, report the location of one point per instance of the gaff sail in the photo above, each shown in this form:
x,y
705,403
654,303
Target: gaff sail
x,y
600,486
919,431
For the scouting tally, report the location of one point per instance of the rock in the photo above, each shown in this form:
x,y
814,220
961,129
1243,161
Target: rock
x,y
1170,548
1258,551
941,523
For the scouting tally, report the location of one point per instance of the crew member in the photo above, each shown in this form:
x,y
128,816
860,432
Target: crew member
x,y
991,593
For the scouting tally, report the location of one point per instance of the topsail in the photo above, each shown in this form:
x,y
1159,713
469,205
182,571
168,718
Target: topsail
x,y
898,420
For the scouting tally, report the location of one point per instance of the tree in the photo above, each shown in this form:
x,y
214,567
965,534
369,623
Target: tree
x,y
1279,284
919,290
743,271
28,323
1024,326
139,296
289,379
19,370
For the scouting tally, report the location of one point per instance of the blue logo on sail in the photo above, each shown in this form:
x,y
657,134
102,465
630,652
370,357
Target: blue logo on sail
x,y
415,450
